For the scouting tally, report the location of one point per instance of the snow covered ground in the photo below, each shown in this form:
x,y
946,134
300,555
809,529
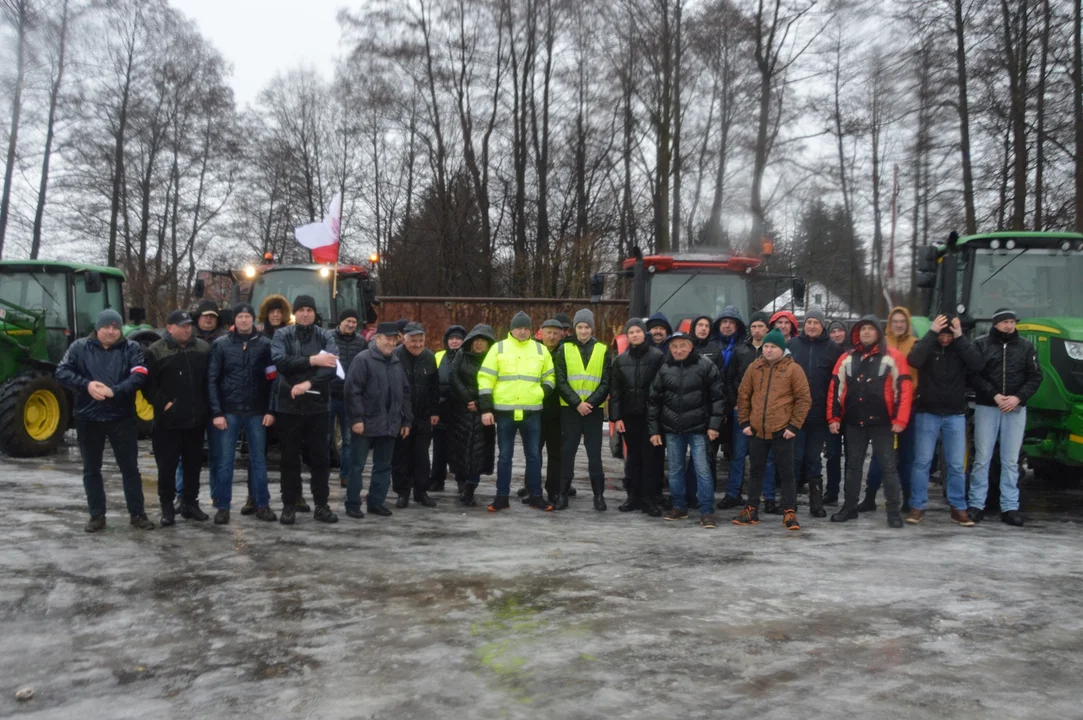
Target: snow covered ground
x,y
455,613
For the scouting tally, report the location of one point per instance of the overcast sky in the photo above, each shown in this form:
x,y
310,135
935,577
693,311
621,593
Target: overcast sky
x,y
263,37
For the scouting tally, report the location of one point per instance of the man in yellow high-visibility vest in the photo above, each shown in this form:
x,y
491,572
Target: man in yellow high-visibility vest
x,y
513,381
582,368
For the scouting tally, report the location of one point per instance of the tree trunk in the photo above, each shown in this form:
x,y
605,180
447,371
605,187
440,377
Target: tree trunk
x,y
1077,82
663,157
675,240
118,150
54,93
964,120
21,20
1039,149
1016,63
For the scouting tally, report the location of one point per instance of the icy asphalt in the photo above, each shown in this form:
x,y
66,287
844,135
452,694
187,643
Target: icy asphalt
x,y
456,613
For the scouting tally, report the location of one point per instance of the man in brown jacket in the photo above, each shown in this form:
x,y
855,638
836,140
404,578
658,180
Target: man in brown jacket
x,y
772,402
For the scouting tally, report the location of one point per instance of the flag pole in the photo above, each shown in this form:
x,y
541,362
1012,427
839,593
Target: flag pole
x,y
338,250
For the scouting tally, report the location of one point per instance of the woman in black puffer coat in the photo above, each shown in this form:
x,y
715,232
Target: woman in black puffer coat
x,y
472,451
632,375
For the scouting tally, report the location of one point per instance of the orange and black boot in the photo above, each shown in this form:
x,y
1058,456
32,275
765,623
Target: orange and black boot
x,y
749,516
500,502
789,520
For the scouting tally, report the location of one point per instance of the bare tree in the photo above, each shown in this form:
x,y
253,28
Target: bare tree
x,y
18,13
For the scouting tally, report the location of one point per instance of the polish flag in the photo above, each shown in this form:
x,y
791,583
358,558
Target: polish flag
x,y
322,237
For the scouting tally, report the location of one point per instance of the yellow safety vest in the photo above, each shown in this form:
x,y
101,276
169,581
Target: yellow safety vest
x,y
584,380
440,356
513,374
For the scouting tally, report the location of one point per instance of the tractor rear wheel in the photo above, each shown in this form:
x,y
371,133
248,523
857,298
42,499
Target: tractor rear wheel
x,y
33,415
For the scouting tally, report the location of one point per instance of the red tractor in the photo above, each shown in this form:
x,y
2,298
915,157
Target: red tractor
x,y
686,286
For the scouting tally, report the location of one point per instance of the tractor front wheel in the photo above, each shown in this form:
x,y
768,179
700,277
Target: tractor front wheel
x,y
33,415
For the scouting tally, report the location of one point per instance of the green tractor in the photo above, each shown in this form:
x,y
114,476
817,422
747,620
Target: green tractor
x,y
44,307
1039,275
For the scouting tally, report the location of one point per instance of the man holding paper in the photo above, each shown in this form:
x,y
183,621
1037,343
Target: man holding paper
x,y
306,359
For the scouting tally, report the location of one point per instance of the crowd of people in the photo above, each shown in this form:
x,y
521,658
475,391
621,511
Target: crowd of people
x,y
779,393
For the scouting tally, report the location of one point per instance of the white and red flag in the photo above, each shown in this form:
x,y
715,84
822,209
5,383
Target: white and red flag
x,y
322,237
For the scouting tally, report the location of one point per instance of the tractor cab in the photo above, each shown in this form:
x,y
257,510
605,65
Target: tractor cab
x,y
44,307
334,288
1036,274
685,286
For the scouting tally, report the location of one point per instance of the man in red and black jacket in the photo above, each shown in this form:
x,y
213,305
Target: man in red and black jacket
x,y
871,392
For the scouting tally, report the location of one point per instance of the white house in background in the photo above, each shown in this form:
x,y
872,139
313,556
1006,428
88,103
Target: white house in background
x,y
816,296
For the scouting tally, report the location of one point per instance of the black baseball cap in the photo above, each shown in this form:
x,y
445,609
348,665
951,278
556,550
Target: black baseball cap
x,y
178,317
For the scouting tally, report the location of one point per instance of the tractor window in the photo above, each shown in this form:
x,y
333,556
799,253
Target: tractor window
x,y
88,305
684,295
37,291
349,296
290,284
1033,282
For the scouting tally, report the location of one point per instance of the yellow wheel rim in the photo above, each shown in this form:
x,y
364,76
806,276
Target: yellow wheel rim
x,y
143,409
41,415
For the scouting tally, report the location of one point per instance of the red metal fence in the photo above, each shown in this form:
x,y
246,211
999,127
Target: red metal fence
x,y
436,314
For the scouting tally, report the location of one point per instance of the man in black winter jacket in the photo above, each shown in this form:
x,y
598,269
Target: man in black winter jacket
x,y
582,369
814,351
631,378
686,405
453,342
208,327
410,464
942,359
378,406
350,343
104,371
177,388
306,359
552,337
239,381
1010,375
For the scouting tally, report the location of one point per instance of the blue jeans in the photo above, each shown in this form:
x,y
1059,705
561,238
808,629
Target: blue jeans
x,y
676,447
337,411
737,466
808,448
225,442
927,428
382,449
529,429
212,461
904,460
990,424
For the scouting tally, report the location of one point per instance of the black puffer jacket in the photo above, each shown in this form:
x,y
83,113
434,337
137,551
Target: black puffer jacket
x,y
744,354
444,360
942,373
121,367
377,393
817,357
471,445
178,375
424,384
632,375
290,351
349,347
686,397
240,375
1009,367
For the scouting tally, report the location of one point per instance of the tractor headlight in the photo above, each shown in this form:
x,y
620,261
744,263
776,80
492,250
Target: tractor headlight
x,y
1074,349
